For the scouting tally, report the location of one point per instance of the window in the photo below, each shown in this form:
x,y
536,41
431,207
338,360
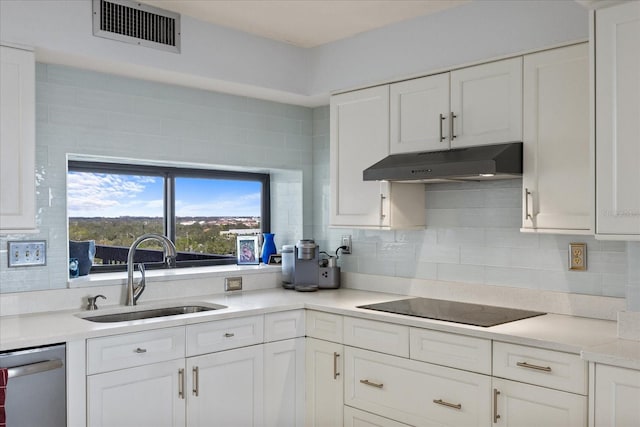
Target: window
x,y
201,211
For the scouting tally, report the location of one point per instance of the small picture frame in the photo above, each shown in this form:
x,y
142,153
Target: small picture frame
x,y
275,259
247,250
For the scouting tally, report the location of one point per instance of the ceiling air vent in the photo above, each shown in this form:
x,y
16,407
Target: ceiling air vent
x,y
137,23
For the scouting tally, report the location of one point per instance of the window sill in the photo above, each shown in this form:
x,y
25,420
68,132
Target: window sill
x,y
165,275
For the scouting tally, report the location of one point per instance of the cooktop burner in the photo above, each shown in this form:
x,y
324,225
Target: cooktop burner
x,y
453,311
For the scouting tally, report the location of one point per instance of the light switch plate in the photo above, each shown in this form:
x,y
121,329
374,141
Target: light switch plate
x,y
577,256
27,253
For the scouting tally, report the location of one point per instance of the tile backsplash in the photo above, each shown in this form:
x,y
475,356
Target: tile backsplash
x,y
472,232
94,114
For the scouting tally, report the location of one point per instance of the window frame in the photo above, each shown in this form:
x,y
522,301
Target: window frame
x,y
169,174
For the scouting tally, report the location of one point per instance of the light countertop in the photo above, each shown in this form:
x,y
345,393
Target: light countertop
x,y
595,339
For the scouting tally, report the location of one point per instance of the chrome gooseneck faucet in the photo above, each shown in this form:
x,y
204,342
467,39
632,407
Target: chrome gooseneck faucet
x,y
170,253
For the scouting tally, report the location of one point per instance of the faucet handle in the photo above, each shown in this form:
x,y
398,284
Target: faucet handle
x,y
91,302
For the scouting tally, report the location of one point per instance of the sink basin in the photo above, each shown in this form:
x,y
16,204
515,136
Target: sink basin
x,y
152,313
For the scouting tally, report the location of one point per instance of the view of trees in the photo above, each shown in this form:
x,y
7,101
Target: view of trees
x,y
209,235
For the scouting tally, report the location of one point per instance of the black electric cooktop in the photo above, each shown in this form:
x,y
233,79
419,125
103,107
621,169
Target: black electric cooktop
x,y
453,311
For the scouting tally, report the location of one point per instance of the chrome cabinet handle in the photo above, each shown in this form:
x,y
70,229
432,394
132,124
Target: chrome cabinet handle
x,y
335,365
229,335
452,134
33,368
181,383
442,119
536,367
527,194
447,404
195,373
140,350
382,215
376,385
496,416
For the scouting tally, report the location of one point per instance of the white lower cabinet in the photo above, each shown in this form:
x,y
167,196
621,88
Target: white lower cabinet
x,y
356,418
617,397
324,383
415,393
284,383
525,405
225,388
144,396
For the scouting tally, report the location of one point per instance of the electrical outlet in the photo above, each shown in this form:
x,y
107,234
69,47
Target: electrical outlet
x,y
27,253
233,283
346,241
577,256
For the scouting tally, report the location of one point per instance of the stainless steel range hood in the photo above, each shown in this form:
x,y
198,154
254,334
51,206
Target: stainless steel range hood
x,y
486,162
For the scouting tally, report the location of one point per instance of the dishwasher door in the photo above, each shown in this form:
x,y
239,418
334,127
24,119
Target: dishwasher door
x,y
36,392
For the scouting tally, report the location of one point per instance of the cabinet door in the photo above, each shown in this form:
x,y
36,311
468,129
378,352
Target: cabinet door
x,y
419,114
17,140
486,101
556,176
324,380
284,383
226,388
618,121
524,405
146,396
617,394
359,138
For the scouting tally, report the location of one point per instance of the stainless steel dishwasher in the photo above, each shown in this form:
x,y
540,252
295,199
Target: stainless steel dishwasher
x,y
36,389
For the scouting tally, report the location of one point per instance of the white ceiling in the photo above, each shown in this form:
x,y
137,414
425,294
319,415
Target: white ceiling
x,y
305,23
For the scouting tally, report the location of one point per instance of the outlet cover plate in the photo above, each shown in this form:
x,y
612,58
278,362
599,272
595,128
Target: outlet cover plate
x,y
577,256
27,253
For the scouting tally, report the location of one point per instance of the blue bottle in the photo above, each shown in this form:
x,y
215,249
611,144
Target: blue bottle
x,y
268,247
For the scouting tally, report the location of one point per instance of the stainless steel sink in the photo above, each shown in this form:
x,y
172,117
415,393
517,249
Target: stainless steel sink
x,y
151,313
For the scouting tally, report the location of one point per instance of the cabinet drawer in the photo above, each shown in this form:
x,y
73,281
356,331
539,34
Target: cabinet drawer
x,y
547,368
457,351
283,325
136,349
414,392
224,334
378,336
357,418
324,326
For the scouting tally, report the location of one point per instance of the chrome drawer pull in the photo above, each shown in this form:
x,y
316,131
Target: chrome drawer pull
x,y
447,404
335,365
195,372
536,367
140,350
496,416
229,335
181,383
367,382
442,119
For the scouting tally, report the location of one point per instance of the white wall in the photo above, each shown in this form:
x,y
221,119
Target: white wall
x,y
473,32
217,58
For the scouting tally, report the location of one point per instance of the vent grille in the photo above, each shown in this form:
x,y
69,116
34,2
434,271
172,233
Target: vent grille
x,y
136,23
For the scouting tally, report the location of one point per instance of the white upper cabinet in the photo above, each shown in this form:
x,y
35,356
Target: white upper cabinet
x,y
556,173
17,140
617,133
477,105
486,104
359,138
419,114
